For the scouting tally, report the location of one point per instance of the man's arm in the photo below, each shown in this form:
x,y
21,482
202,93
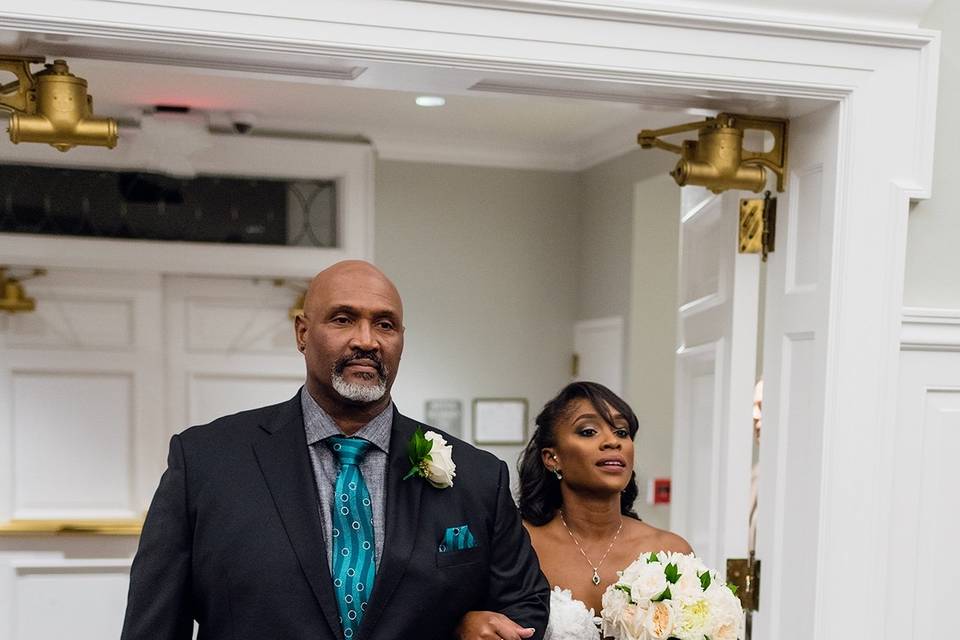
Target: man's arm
x,y
518,589
158,603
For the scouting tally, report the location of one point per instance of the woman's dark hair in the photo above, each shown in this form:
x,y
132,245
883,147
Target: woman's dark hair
x,y
539,487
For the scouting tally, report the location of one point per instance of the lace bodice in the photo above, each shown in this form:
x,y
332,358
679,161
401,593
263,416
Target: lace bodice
x,y
570,619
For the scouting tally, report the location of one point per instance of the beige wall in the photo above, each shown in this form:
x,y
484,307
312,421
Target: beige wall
x,y
486,262
628,268
933,261
495,266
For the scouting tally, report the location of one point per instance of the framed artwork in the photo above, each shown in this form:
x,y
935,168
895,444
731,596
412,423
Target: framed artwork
x,y
500,420
446,414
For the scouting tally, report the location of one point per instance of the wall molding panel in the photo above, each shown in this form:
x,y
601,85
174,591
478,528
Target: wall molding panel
x,y
923,482
930,329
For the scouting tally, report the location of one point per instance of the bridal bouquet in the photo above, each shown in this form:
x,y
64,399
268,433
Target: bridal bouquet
x,y
670,596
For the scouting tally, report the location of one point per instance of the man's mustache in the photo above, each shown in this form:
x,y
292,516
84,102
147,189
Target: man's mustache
x,y
372,356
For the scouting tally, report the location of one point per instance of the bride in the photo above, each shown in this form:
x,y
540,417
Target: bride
x,y
577,489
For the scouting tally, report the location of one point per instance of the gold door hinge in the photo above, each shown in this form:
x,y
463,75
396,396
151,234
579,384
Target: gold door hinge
x,y
744,574
758,225
575,365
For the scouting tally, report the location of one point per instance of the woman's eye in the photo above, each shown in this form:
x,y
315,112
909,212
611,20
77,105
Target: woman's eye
x,y
622,433
587,431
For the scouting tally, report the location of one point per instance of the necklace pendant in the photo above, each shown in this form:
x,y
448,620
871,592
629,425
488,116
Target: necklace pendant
x,y
596,578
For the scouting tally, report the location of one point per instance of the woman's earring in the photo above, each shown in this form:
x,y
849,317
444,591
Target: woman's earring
x,y
557,473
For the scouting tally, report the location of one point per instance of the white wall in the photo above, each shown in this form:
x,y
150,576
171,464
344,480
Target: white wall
x,y
933,262
486,263
628,267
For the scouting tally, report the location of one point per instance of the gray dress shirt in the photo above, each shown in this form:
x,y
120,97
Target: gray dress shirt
x,y
319,427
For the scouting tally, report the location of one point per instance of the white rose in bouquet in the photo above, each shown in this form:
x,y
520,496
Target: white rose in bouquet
x,y
630,625
670,596
688,588
614,601
659,621
649,583
693,621
726,613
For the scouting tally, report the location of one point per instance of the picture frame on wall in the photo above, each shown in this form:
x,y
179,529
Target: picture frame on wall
x,y
445,414
500,421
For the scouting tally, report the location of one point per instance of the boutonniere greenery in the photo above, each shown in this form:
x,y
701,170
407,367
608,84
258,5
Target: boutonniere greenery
x,y
432,459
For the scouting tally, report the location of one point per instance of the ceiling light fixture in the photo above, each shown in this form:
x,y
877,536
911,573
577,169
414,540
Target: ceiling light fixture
x,y
430,101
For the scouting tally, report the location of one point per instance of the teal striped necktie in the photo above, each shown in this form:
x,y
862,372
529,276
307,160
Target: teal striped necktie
x,y
353,542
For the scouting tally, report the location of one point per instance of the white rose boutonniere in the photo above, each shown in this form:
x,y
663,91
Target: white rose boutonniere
x,y
431,459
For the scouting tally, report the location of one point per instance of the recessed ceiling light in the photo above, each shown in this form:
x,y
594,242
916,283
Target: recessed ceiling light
x,y
430,101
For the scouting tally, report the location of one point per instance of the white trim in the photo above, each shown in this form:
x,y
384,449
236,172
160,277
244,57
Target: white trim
x,y
926,329
768,23
42,565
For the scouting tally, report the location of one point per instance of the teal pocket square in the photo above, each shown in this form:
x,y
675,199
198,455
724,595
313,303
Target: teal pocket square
x,y
457,538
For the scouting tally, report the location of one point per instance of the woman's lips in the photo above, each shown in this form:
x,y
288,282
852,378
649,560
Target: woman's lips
x,y
614,465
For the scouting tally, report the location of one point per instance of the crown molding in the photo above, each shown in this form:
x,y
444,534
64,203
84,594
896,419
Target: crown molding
x,y
736,21
928,329
325,72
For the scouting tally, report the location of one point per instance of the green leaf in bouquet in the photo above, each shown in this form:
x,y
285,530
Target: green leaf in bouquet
x,y
653,559
672,573
732,587
705,580
623,587
663,596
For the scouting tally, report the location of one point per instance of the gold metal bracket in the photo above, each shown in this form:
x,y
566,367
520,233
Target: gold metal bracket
x,y
296,309
13,297
744,573
52,106
19,94
717,159
758,225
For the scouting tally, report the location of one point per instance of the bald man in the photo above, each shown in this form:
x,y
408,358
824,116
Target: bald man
x,y
303,519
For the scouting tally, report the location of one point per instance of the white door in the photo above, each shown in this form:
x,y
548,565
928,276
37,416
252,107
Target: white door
x,y
598,349
715,375
81,390
230,347
791,445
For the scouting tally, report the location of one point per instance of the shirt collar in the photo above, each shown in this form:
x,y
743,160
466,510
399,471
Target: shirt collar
x,y
320,426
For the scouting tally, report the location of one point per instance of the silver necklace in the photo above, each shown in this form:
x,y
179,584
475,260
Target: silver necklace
x,y
596,568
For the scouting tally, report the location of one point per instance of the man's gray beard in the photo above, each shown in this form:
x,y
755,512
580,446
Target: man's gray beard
x,y
359,392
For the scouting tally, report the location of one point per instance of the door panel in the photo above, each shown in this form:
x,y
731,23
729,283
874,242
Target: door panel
x,y
599,348
791,444
715,374
231,347
81,396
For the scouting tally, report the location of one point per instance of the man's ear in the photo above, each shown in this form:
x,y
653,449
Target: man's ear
x,y
299,332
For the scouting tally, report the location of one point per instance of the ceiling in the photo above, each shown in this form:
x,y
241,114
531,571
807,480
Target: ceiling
x,y
493,119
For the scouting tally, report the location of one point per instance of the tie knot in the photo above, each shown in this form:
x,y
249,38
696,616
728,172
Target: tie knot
x,y
346,450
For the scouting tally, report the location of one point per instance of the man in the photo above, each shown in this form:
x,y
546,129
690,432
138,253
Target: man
x,y
301,520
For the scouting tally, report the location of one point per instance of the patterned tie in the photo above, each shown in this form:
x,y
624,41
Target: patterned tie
x,y
352,523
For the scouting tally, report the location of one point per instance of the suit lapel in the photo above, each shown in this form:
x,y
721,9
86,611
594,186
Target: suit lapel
x,y
403,511
285,463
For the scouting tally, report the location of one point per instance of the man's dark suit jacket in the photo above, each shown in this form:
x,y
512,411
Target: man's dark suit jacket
x,y
233,539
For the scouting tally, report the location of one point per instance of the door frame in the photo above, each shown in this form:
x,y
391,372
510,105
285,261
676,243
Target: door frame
x,y
874,75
